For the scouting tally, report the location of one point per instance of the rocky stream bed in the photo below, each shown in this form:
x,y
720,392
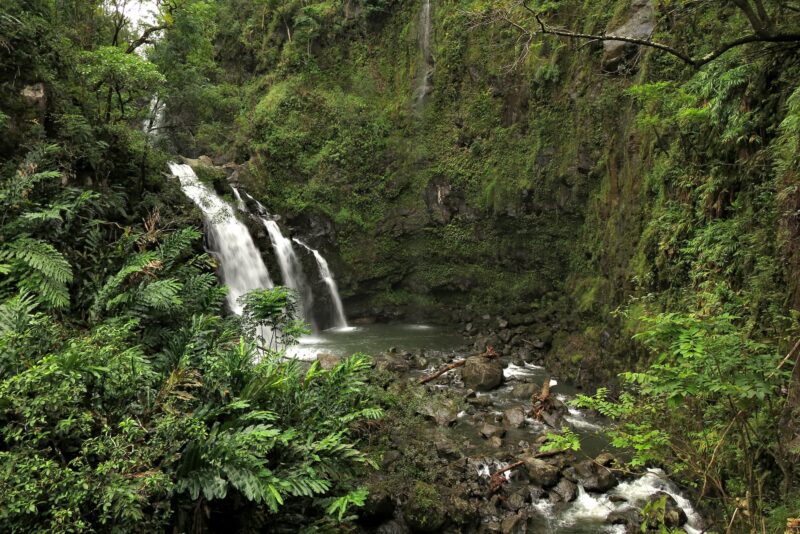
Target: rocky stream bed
x,y
475,420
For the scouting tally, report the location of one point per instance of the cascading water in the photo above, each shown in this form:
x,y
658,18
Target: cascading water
x,y
425,73
291,268
340,321
241,265
239,201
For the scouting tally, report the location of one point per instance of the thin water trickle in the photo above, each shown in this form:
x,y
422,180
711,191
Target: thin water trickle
x,y
425,73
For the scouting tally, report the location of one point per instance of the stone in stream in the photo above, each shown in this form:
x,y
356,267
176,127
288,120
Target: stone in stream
x,y
515,501
490,431
540,472
391,362
515,524
482,374
566,490
591,476
627,515
525,391
443,411
513,417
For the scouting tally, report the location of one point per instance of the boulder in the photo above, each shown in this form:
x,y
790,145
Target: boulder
x,y
490,431
391,362
566,490
640,25
482,374
392,527
515,524
443,411
591,476
513,417
328,361
515,502
627,515
540,472
525,391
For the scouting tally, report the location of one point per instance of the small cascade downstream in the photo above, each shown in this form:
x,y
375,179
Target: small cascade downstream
x,y
242,268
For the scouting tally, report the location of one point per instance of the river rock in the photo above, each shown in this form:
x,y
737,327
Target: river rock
x,y
515,501
482,374
392,527
513,417
627,515
490,431
525,391
566,490
391,362
515,524
540,472
640,25
443,411
328,361
591,476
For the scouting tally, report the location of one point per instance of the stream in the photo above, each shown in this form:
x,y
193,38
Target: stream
x,y
426,347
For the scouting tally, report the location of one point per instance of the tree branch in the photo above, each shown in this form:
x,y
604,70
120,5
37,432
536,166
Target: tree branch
x,y
762,28
144,38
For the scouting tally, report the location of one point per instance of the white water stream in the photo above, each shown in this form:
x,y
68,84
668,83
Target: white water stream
x,y
425,73
340,321
241,265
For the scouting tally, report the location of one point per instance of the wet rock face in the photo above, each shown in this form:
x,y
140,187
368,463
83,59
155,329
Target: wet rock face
x,y
482,374
640,25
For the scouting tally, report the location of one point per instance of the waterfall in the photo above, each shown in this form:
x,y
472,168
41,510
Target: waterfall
x,y
239,201
291,269
425,73
241,265
340,321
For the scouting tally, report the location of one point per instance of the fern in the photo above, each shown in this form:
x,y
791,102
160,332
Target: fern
x,y
40,269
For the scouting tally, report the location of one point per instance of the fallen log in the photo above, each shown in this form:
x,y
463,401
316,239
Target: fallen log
x,y
497,479
488,353
442,371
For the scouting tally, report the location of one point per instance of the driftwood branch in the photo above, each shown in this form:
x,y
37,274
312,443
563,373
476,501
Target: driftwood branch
x,y
489,353
496,480
763,32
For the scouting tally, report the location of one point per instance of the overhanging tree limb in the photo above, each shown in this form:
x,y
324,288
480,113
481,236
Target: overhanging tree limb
x,y
145,37
762,28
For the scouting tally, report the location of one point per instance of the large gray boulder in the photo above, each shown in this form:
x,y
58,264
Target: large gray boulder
x,y
640,25
540,472
591,476
482,374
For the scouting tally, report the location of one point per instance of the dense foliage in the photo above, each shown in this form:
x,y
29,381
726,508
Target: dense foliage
x,y
129,400
647,218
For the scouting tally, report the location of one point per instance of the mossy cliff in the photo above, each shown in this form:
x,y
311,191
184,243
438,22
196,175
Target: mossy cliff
x,y
532,175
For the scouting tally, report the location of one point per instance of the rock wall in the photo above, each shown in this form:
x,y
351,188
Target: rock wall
x,y
563,182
